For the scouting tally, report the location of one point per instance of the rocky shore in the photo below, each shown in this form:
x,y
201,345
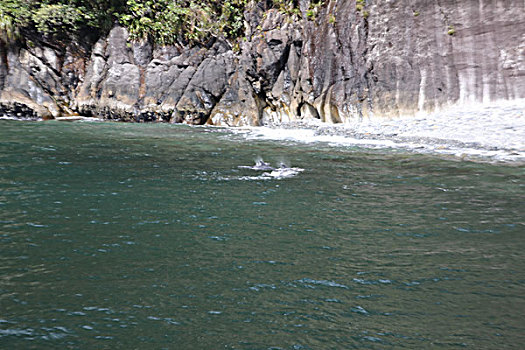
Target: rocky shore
x,y
336,63
487,132
494,131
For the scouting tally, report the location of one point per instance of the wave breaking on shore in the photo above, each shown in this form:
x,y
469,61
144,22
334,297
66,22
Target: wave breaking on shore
x,y
494,132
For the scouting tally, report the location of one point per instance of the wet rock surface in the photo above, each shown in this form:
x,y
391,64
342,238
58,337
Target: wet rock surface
x,y
18,111
338,63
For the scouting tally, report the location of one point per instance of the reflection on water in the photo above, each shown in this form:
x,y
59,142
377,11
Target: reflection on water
x,y
119,235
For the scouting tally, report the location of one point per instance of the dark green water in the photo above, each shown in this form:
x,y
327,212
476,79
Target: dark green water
x,y
150,237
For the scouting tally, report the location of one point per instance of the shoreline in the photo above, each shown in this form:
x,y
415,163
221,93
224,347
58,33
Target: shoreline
x,y
494,131
479,132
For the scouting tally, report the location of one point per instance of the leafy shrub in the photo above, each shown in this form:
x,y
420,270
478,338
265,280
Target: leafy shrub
x,y
13,15
158,19
162,21
52,19
170,21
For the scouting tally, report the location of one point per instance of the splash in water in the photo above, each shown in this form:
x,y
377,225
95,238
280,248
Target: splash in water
x,y
260,165
281,172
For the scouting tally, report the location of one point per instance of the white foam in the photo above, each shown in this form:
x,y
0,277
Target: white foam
x,y
5,117
493,131
309,136
283,173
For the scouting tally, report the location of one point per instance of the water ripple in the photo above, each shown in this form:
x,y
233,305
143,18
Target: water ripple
x,y
326,283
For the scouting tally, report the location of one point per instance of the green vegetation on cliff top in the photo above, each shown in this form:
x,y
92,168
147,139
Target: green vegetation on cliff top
x,y
162,21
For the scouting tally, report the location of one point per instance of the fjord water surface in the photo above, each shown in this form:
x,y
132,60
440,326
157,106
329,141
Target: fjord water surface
x,y
151,236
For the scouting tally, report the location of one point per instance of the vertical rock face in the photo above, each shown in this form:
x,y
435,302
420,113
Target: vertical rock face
x,y
137,83
112,83
343,60
387,58
31,83
445,52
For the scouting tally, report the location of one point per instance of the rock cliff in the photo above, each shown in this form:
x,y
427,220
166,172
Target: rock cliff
x,y
343,60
